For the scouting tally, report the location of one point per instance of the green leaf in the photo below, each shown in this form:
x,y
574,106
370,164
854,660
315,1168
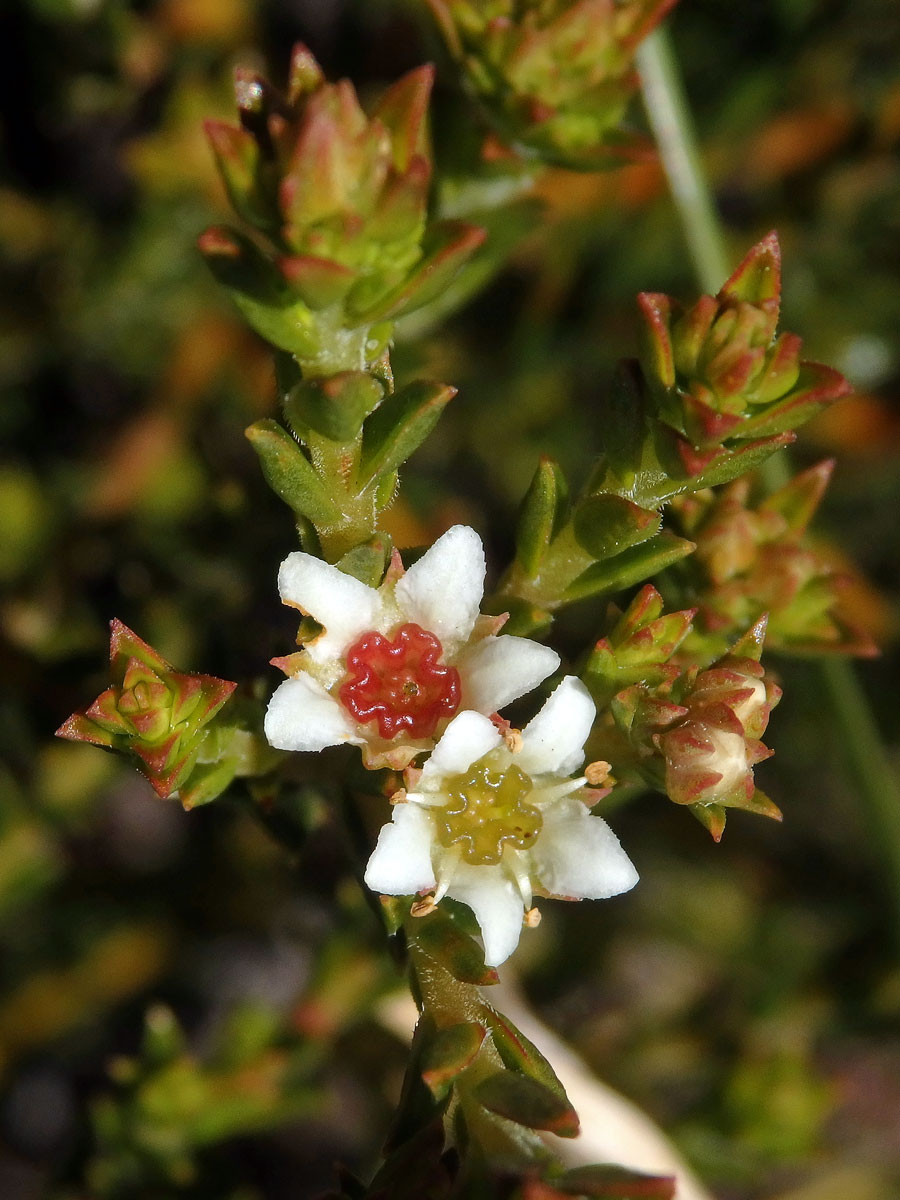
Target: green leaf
x,y
319,281
616,1183
334,406
368,561
758,277
731,462
817,386
259,292
539,515
605,525
447,246
630,567
206,782
437,936
622,417
163,1039
399,426
449,1052
527,1102
525,619
289,473
521,1055
237,157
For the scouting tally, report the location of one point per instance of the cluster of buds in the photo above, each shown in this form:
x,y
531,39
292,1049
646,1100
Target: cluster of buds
x,y
750,560
341,201
554,77
158,716
693,734
718,374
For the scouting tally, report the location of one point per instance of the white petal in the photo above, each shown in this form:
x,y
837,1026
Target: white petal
x,y
579,855
553,742
497,906
442,591
401,861
468,737
303,716
500,669
345,606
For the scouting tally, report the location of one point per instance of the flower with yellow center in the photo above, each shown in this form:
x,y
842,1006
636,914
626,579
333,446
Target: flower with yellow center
x,y
492,821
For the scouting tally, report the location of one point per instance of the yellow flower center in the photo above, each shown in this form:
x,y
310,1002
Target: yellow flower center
x,y
486,812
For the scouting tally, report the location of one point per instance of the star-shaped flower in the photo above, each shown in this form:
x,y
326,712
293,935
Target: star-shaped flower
x,y
394,664
491,820
150,710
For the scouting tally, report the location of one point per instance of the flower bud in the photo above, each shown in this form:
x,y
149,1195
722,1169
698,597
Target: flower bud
x,y
710,750
150,711
341,199
554,78
750,560
718,372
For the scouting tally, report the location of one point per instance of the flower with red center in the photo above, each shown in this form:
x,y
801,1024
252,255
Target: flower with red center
x,y
393,664
400,684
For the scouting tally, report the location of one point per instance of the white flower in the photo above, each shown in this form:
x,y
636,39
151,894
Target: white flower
x,y
394,663
490,821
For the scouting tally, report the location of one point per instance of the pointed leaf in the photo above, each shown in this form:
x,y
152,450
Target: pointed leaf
x,y
527,1102
731,462
319,281
447,247
305,74
712,817
289,473
259,292
538,519
206,782
521,1055
400,425
605,525
656,309
817,386
368,561
449,1052
630,567
404,110
798,500
439,937
237,157
758,277
334,406
616,1183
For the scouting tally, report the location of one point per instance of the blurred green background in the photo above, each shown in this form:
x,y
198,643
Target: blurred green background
x,y
747,994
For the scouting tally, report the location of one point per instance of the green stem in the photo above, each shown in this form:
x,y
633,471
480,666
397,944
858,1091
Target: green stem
x,y
865,758
670,119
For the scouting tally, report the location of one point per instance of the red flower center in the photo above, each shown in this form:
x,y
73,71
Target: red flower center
x,y
401,684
